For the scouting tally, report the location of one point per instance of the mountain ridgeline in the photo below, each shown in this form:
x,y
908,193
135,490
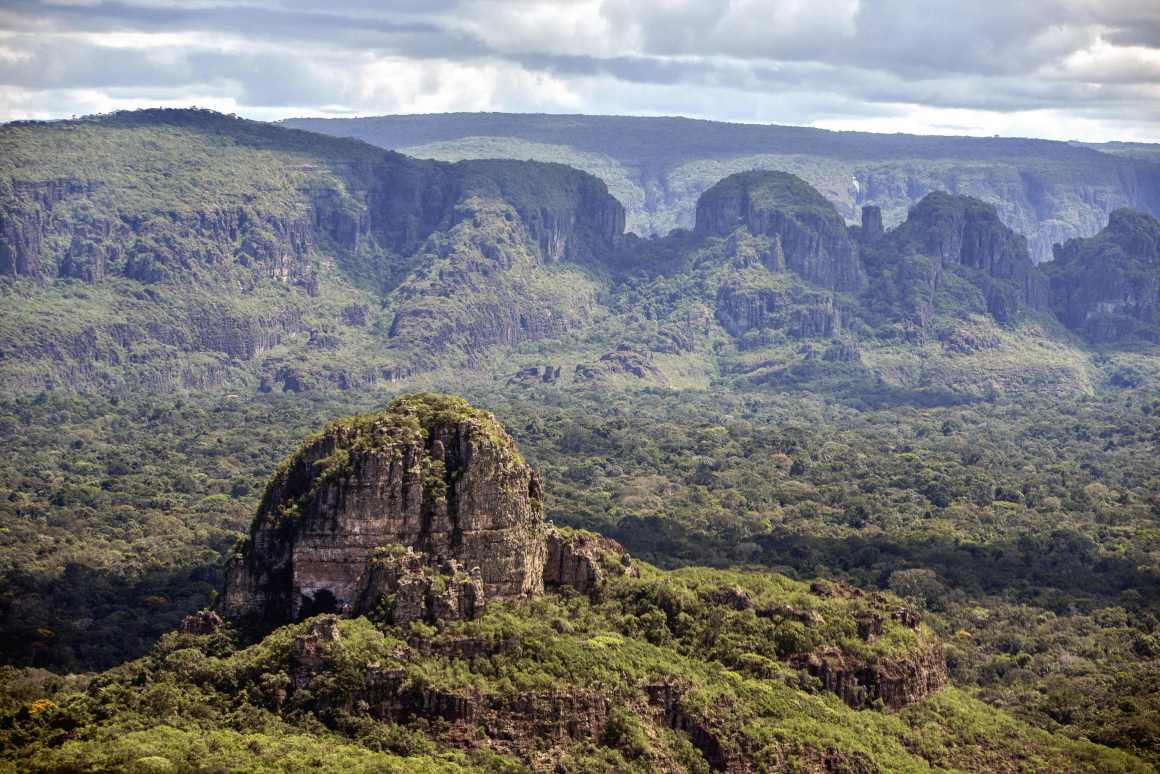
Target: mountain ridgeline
x,y
215,251
659,167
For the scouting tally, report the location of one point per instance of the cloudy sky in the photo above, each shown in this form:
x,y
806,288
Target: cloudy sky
x,y
1065,69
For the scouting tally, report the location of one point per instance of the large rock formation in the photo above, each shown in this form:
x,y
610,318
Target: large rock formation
x,y
807,234
429,474
459,252
423,511
966,236
1050,191
351,200
1107,287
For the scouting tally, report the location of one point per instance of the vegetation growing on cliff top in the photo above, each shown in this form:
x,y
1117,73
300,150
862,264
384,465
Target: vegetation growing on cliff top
x,y
664,164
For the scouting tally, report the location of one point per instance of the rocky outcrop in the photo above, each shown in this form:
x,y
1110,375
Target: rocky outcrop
x,y
897,682
741,309
715,743
1107,287
569,215
424,511
43,233
583,560
403,586
313,209
621,361
431,474
872,229
1050,191
386,206
808,235
529,375
966,235
201,623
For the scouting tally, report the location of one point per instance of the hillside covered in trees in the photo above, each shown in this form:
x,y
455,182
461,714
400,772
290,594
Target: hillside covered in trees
x,y
786,397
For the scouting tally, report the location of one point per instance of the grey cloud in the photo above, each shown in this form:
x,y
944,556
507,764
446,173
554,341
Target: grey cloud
x,y
989,55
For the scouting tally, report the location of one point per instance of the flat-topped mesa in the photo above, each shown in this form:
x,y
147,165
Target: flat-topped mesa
x,y
809,235
424,510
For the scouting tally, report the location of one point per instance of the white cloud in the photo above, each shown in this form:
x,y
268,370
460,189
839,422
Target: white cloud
x,y
1049,68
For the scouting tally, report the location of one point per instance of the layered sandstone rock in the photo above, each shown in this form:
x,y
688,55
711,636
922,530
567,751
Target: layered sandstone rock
x,y
583,560
896,682
429,474
1107,287
425,511
965,235
807,234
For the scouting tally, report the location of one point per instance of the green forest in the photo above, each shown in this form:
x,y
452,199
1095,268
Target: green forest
x,y
825,490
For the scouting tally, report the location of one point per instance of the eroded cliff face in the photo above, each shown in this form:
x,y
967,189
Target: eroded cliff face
x,y
893,680
463,257
430,474
84,229
808,235
424,511
965,236
1050,191
1107,287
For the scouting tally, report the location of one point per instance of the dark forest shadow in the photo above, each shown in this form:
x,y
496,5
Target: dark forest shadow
x,y
1056,570
87,619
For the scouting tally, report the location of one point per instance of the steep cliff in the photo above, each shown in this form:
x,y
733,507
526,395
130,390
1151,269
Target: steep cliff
x,y
429,474
808,235
1107,287
659,167
965,237
424,511
465,256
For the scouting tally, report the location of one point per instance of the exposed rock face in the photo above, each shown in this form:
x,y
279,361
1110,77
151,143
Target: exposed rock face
x,y
383,201
409,587
535,375
425,511
964,233
430,474
620,361
201,622
1107,287
872,229
371,217
1050,191
741,309
583,560
897,682
567,213
809,236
